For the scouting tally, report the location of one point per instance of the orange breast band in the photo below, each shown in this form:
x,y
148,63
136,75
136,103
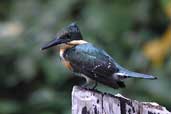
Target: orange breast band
x,y
67,64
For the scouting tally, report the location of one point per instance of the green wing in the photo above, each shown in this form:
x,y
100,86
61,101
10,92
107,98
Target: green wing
x,y
94,63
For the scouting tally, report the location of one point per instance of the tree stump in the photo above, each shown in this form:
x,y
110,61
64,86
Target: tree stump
x,y
87,101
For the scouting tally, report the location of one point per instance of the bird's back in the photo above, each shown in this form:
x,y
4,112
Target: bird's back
x,y
89,55
94,63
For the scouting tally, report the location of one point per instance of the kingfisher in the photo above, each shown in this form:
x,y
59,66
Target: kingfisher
x,y
90,62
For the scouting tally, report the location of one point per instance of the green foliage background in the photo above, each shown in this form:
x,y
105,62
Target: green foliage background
x,y
32,81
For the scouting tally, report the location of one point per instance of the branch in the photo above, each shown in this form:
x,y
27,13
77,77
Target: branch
x,y
87,101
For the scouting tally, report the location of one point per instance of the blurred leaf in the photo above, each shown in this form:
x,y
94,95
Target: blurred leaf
x,y
156,50
55,72
7,106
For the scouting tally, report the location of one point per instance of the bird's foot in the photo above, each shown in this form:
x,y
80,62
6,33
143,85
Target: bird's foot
x,y
89,86
95,85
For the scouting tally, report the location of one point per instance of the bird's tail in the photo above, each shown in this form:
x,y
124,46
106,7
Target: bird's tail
x,y
124,73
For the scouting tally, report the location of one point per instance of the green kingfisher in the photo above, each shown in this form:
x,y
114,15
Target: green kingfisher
x,y
88,61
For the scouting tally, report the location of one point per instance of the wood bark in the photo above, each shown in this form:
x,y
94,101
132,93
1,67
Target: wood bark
x,y
87,101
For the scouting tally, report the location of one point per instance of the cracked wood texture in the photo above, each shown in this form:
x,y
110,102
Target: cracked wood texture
x,y
87,101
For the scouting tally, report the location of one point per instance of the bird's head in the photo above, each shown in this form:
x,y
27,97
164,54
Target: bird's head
x,y
67,34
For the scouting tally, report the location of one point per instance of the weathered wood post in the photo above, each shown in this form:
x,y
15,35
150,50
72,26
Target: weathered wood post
x,y
86,101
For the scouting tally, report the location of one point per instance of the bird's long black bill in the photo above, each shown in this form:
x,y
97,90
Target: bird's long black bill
x,y
52,43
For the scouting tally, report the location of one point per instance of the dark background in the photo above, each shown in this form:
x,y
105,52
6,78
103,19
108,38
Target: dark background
x,y
137,33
